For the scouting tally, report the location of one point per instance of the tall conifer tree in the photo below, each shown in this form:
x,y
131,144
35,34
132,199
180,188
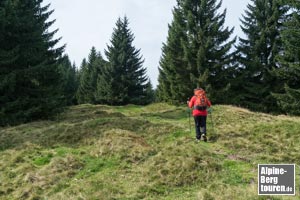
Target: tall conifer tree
x,y
174,72
69,80
261,24
196,53
82,76
89,73
288,74
149,94
123,79
30,83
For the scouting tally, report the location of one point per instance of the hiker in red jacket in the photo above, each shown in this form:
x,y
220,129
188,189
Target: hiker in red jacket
x,y
199,102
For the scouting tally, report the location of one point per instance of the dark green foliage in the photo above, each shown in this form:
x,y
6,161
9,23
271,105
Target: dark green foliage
x,y
86,81
149,94
174,85
69,80
196,52
289,100
30,82
289,71
261,24
123,79
82,74
89,73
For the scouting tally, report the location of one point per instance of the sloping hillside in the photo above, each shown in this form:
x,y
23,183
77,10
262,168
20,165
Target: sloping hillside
x,y
135,152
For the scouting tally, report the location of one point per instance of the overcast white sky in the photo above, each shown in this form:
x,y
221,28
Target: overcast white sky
x,y
86,23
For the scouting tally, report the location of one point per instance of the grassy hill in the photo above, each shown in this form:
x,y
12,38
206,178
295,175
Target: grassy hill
x,y
136,152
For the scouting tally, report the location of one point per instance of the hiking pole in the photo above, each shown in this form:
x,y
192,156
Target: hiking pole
x,y
189,116
190,120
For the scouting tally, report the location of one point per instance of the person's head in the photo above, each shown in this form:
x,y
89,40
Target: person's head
x,y
199,88
198,91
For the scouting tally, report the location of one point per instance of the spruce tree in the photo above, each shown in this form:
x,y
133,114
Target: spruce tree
x,y
90,71
174,82
97,69
91,76
196,53
149,93
261,25
69,79
123,79
82,76
30,82
288,74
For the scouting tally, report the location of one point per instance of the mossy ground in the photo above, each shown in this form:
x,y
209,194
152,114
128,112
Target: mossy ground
x,y
144,152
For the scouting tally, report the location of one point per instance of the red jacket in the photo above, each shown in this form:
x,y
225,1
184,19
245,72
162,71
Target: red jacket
x,y
198,112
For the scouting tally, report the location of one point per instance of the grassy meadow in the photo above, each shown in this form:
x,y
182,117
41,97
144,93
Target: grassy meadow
x,y
93,152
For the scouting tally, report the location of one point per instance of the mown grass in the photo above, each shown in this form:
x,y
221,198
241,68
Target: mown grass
x,y
144,152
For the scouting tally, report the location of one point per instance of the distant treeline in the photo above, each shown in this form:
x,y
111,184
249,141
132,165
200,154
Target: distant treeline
x,y
262,72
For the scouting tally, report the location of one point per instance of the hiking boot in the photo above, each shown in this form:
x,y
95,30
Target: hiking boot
x,y
197,140
204,137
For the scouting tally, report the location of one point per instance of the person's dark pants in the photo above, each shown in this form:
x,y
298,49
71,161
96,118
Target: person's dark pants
x,y
200,123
